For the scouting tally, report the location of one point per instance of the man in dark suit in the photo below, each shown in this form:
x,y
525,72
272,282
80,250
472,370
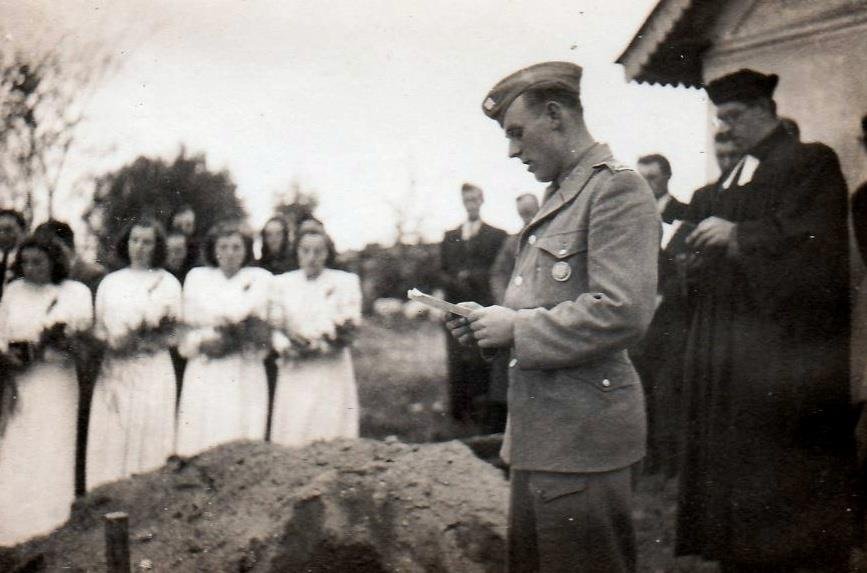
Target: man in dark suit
x,y
658,354
582,292
467,254
767,482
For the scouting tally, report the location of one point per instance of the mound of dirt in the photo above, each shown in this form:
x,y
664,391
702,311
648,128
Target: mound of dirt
x,y
351,505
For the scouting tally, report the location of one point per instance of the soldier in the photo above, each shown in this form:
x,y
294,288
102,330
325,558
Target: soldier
x,y
766,483
582,291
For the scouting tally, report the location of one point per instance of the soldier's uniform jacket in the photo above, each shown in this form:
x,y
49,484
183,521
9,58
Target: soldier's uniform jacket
x,y
584,286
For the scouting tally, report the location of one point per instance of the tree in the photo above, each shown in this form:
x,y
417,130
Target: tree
x,y
155,187
296,204
43,97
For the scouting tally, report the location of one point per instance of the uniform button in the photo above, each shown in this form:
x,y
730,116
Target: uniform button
x,y
606,383
532,239
513,362
562,252
519,280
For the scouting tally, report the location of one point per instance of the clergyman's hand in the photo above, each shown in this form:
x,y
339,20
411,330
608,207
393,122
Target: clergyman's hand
x,y
459,326
712,232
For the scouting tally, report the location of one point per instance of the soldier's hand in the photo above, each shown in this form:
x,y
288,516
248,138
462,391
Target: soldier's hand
x,y
493,326
459,326
712,232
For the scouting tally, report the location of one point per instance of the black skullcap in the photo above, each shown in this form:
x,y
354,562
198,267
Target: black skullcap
x,y
743,85
564,75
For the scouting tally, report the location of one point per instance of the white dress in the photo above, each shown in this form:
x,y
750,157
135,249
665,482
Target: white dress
x,y
315,398
132,413
37,447
226,398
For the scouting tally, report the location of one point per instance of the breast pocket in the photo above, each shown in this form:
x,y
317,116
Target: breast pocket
x,y
562,263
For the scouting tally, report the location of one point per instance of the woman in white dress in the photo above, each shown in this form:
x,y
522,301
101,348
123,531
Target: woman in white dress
x,y
225,390
316,396
39,392
132,414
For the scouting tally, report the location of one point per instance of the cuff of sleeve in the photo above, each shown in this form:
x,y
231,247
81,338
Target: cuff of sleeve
x,y
523,343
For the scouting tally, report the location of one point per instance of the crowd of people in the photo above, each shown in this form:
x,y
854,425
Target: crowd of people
x,y
738,332
712,335
187,345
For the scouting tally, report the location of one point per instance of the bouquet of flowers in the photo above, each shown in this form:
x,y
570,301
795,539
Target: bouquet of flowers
x,y
57,337
146,338
251,334
300,345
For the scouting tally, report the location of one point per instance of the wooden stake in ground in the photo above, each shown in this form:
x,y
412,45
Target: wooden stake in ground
x,y
117,542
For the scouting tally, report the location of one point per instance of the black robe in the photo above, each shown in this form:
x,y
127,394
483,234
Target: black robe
x,y
768,467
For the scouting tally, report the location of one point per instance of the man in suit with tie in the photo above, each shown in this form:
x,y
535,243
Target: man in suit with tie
x,y
467,254
12,230
582,292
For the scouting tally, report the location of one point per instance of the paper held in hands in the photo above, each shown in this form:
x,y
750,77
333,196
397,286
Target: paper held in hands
x,y
437,303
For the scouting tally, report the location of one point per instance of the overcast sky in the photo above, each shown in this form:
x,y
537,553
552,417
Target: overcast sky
x,y
356,99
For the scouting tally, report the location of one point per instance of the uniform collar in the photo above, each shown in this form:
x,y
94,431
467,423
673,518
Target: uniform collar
x,y
597,155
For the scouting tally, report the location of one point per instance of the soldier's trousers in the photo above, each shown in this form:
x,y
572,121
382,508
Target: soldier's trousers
x,y
571,522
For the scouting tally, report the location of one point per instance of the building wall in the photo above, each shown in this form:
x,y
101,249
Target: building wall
x,y
820,58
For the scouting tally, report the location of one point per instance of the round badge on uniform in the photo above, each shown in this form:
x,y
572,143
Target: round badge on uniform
x,y
561,271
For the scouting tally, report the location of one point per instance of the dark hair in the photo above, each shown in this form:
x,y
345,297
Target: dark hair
x,y
19,218
659,159
158,258
225,229
182,208
284,246
527,196
470,188
537,97
331,259
54,252
722,137
54,229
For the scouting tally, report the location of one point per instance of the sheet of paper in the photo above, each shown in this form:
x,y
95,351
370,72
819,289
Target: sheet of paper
x,y
438,303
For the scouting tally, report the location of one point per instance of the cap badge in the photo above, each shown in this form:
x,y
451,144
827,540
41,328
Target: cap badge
x,y
561,271
489,104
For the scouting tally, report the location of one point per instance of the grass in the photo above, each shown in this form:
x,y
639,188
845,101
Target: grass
x,y
402,381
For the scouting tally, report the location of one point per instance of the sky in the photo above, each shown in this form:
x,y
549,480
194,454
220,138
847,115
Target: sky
x,y
373,104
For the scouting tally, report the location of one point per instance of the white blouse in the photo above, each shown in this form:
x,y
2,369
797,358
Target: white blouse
x,y
129,297
28,309
211,299
312,308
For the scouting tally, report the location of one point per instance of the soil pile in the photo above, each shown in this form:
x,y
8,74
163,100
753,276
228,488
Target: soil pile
x,y
349,505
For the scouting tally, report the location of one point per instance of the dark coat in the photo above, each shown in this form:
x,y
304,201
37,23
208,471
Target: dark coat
x,y
769,455
859,219
584,287
475,257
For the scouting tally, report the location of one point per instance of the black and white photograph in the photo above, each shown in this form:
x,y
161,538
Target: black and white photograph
x,y
453,287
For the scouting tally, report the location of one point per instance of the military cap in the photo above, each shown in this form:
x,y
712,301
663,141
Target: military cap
x,y
742,85
564,75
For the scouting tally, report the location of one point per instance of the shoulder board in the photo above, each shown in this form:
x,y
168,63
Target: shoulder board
x,y
614,166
